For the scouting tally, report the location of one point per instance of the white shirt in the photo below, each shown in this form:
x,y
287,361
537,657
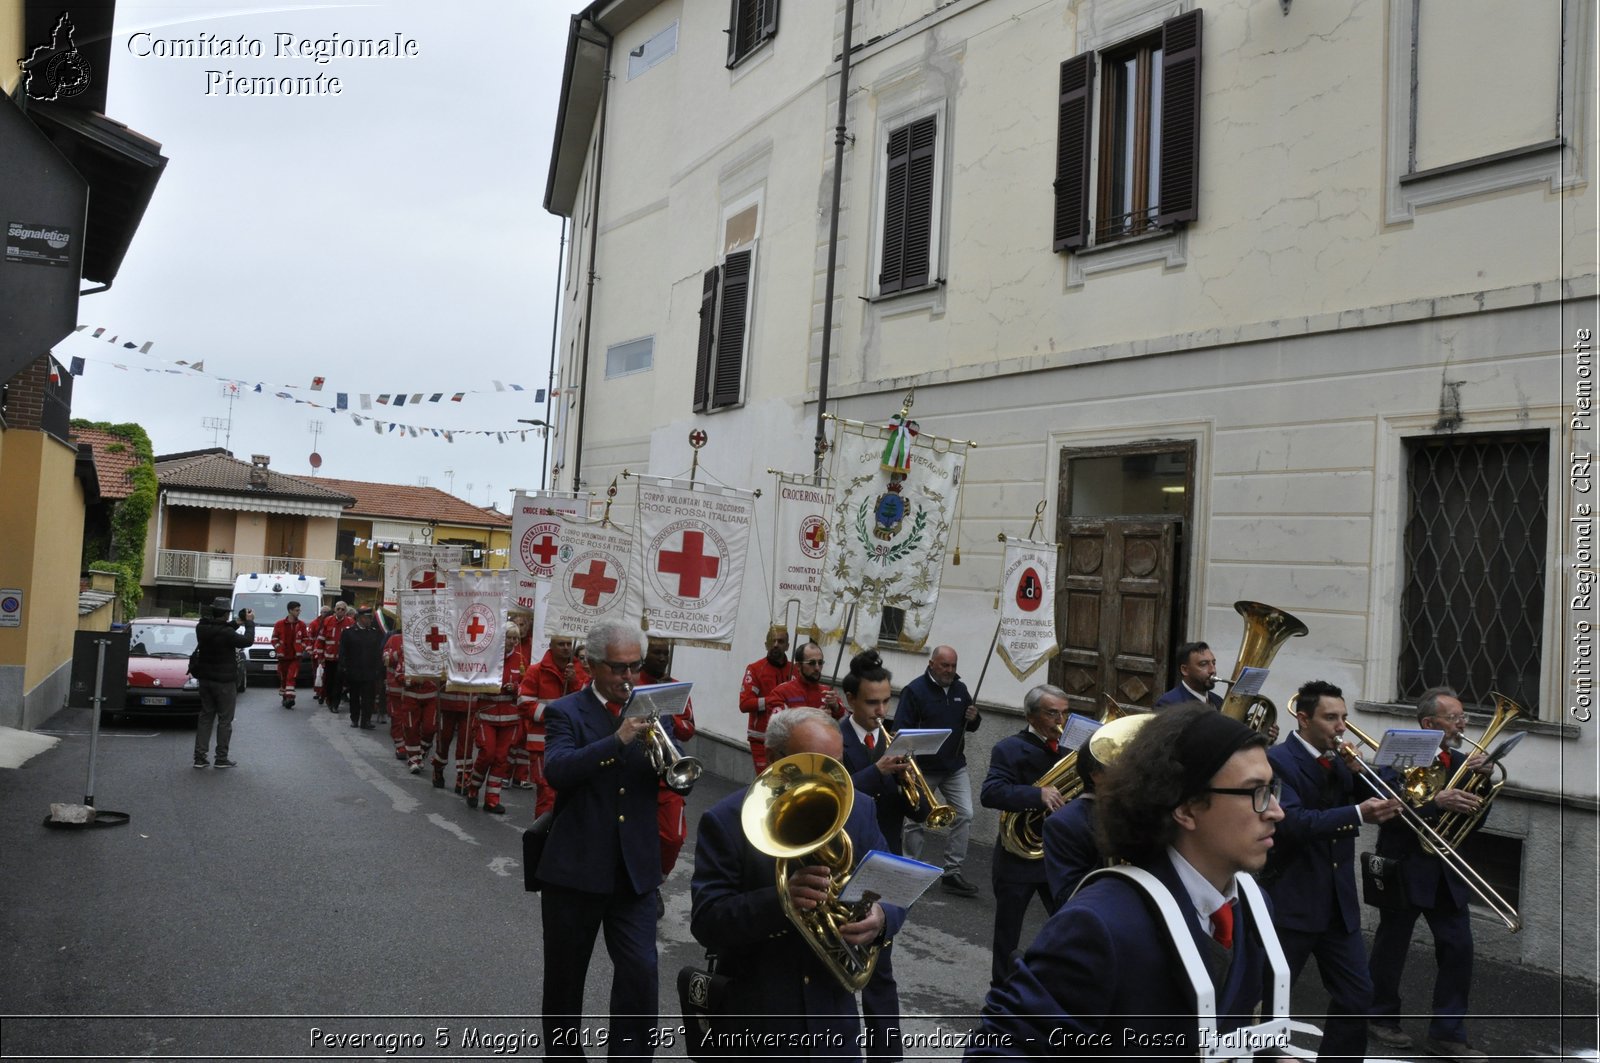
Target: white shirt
x,y
1203,699
861,734
1041,736
1313,750
1205,896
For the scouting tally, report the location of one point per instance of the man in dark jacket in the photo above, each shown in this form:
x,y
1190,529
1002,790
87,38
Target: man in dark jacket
x,y
215,667
361,666
938,698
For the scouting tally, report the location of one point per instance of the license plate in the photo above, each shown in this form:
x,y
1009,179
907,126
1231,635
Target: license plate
x,y
155,701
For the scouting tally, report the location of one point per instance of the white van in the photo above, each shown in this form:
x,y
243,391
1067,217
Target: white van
x,y
269,594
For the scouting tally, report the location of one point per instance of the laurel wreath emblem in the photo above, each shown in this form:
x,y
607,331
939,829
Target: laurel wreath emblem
x,y
896,551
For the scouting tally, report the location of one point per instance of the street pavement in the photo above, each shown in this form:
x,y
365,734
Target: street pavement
x,y
319,892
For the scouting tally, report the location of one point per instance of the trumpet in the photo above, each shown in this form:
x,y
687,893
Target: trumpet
x,y
1426,833
916,791
678,772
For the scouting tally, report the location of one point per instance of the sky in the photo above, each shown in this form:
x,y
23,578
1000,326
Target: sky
x,y
389,239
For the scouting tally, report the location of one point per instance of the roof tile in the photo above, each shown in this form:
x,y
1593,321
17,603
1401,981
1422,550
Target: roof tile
x,y
400,502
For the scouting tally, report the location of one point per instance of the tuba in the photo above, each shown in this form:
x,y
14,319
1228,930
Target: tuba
x,y
796,810
1455,826
1265,630
1022,833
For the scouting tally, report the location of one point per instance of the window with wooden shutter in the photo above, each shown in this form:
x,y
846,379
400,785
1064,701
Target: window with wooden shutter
x,y
708,332
751,24
908,205
1072,153
1180,120
733,316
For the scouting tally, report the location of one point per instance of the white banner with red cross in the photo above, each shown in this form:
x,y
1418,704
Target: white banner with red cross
x,y
421,566
1027,606
692,544
801,552
476,650
533,595
590,581
424,631
536,528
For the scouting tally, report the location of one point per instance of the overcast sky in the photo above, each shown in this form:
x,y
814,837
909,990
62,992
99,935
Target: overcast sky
x,y
389,238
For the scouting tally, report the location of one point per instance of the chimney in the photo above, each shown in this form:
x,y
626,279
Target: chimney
x,y
258,469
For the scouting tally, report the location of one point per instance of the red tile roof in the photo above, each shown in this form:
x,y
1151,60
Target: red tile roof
x,y
114,459
399,502
216,470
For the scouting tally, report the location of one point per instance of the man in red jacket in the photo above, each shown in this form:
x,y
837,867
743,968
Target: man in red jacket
x,y
290,638
328,639
557,674
807,689
314,633
497,723
760,679
394,689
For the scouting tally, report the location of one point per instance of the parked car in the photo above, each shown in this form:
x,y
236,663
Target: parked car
x,y
159,683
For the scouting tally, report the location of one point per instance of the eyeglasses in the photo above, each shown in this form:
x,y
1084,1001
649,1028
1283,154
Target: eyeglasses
x,y
1261,797
623,667
1459,718
1054,714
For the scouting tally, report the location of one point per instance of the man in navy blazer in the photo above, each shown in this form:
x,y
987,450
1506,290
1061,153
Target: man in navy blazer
x,y
777,985
1070,849
1192,801
602,861
1311,876
1016,764
1197,675
1432,891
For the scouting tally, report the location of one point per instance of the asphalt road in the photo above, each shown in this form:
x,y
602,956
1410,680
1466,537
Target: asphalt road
x,y
320,890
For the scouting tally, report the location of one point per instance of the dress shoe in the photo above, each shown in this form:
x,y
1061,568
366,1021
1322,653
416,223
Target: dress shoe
x,y
495,809
1456,1050
472,800
369,727
954,883
1389,1035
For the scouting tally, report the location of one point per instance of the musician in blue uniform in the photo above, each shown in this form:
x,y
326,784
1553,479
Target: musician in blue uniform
x,y
1191,802
1070,850
1197,675
1311,876
1016,764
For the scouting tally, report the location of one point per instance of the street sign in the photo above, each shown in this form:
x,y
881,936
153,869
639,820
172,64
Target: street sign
x,y
11,607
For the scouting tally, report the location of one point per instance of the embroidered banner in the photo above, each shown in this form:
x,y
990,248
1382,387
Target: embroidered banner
x,y
590,582
693,542
801,552
476,650
534,594
536,528
890,528
424,631
421,566
1027,606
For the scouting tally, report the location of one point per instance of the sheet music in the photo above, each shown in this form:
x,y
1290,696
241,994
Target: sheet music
x,y
662,699
1506,746
917,741
1407,747
895,879
1078,730
1250,681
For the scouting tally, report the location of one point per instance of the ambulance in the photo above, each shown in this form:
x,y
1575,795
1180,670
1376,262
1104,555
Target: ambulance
x,y
269,594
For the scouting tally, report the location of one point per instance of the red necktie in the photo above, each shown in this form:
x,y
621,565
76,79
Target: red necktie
x,y
1052,744
1326,760
614,708
1222,925
870,742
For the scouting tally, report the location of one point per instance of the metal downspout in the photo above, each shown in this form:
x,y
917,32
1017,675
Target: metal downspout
x,y
594,239
839,137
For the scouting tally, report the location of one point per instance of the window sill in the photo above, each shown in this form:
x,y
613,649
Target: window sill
x,y
931,286
1438,185
1170,247
1474,722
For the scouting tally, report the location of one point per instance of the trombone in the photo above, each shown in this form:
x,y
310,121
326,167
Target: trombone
x,y
1425,832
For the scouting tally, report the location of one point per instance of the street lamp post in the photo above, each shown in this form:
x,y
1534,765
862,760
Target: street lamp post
x,y
544,463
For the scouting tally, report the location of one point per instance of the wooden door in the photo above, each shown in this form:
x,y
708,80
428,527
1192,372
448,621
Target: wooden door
x,y
1115,612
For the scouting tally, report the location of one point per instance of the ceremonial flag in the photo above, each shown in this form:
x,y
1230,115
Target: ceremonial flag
x,y
692,555
536,527
801,553
420,566
476,651
590,580
534,594
424,631
890,528
1027,606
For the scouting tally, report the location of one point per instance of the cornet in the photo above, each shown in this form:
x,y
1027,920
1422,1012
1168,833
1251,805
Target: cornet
x,y
678,772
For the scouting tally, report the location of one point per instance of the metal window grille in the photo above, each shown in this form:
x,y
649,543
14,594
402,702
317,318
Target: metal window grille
x,y
1473,601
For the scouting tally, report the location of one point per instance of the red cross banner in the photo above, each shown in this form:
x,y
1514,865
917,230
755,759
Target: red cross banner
x,y
692,545
536,528
590,581
533,594
477,615
425,631
1027,606
422,566
890,527
801,552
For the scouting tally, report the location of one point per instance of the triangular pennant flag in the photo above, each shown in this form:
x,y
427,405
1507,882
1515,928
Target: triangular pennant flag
x,y
356,417
538,396
516,387
80,328
198,367
113,339
399,400
145,349
128,346
257,389
99,332
383,400
448,438
377,426
498,386
416,398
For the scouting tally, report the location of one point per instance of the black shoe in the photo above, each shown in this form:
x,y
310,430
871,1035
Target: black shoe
x,y
354,723
201,762
224,762
368,727
289,704
954,883
495,809
438,778
472,800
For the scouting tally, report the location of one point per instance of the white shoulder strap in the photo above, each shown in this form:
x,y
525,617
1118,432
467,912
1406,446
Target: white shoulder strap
x,y
1251,893
1205,995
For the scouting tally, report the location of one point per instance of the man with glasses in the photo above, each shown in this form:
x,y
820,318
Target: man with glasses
x,y
935,700
1190,802
602,861
1433,891
1311,876
807,690
1015,766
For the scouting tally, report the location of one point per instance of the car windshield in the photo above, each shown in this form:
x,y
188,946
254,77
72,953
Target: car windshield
x,y
269,608
162,640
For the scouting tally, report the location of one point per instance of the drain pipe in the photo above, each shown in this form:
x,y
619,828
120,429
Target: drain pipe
x,y
594,239
839,137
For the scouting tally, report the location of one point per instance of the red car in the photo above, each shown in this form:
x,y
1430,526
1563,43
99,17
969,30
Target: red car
x,y
159,683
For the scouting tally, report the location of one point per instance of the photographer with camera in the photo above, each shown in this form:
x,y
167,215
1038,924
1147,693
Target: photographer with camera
x,y
215,667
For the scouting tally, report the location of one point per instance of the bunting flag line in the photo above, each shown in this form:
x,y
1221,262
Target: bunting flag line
x,y
536,527
590,581
425,630
476,650
1027,636
801,552
890,528
692,545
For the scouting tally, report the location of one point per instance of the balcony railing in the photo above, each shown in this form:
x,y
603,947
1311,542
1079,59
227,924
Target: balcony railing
x,y
200,569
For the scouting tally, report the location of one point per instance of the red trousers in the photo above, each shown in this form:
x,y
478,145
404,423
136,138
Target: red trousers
x,y
758,753
419,719
672,825
545,799
454,724
288,672
494,748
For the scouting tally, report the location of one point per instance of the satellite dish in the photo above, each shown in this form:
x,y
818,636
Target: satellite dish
x,y
316,460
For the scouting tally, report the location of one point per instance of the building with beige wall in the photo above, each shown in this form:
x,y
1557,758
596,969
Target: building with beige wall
x,y
1271,302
